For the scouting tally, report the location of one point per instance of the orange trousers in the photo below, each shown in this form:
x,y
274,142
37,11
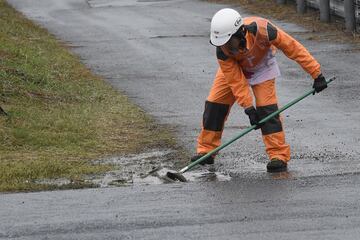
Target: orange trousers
x,y
217,108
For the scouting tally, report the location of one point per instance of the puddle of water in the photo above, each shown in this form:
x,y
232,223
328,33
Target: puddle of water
x,y
134,168
150,168
201,175
198,175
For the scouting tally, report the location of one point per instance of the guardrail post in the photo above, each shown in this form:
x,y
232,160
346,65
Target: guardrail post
x,y
349,13
324,6
301,6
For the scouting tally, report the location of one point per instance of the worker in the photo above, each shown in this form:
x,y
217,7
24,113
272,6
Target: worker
x,y
245,49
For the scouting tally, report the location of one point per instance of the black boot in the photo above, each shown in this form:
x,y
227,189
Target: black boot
x,y
276,165
209,160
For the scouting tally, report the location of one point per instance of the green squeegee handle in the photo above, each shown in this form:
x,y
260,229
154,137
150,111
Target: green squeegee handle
x,y
249,129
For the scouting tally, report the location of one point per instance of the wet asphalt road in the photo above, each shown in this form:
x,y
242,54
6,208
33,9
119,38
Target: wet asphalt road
x,y
157,52
311,208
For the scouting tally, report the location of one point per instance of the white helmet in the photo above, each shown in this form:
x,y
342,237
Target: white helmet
x,y
224,24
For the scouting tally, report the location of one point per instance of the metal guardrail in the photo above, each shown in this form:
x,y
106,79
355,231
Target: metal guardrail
x,y
337,7
348,9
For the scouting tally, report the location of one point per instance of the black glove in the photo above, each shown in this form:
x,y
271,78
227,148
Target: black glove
x,y
253,116
319,84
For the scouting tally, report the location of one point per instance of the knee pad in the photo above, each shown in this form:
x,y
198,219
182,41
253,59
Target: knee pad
x,y
214,115
273,125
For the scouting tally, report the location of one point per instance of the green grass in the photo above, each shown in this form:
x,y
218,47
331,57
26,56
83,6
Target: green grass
x,y
60,116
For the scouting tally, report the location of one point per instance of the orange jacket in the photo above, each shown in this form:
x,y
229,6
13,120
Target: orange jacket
x,y
261,37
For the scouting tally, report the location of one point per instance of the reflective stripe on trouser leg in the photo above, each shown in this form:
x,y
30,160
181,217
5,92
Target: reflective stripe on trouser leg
x,y
272,131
